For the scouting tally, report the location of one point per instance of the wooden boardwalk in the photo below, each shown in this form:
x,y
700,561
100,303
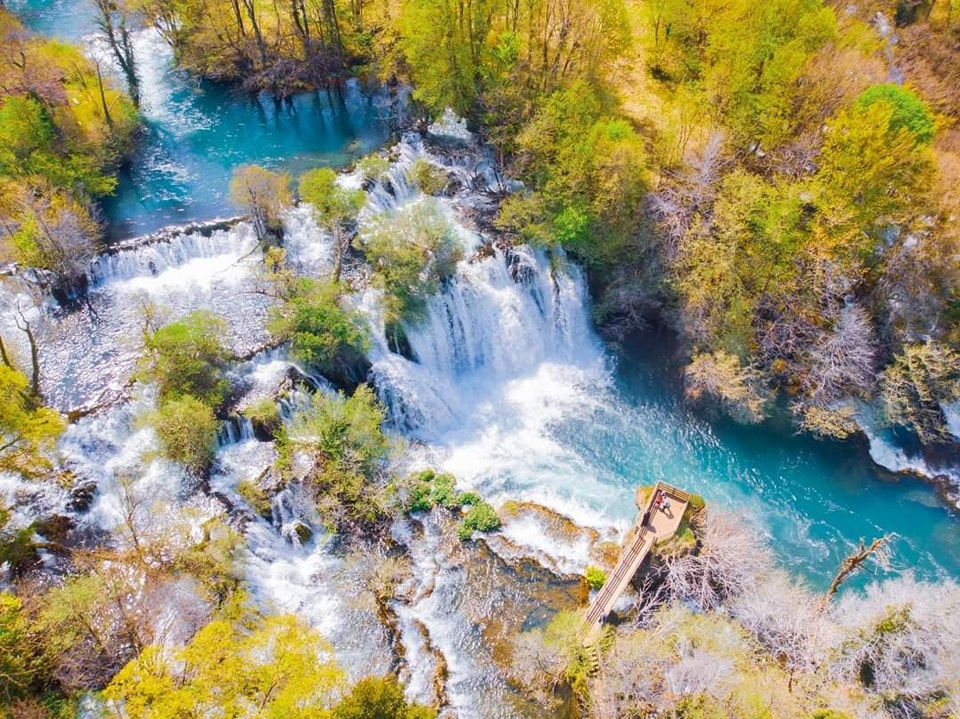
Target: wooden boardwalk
x,y
653,526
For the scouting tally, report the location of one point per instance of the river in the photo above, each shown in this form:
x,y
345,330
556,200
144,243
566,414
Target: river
x,y
509,388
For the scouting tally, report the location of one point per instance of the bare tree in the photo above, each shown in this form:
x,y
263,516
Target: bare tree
x,y
730,561
687,193
843,360
112,19
901,642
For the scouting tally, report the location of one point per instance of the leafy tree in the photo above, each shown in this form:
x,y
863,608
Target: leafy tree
x,y
187,430
241,664
379,698
873,174
21,659
720,376
27,429
322,334
333,207
263,194
412,252
187,357
908,110
922,379
344,438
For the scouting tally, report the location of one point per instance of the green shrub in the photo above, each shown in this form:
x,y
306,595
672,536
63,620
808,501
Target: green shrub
x,y
908,110
187,430
429,489
412,252
379,698
696,502
429,178
373,166
321,333
595,577
264,415
255,497
468,499
479,518
187,358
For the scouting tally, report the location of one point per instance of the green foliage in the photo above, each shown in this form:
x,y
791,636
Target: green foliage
x,y
587,170
27,429
263,194
429,489
373,166
343,435
322,334
61,132
187,358
264,415
829,714
412,251
594,577
431,179
331,203
378,698
481,517
344,430
21,660
187,430
276,664
255,497
742,60
873,174
908,110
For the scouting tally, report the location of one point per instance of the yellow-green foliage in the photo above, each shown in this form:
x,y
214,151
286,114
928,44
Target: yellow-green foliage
x,y
62,130
27,429
237,661
255,497
412,252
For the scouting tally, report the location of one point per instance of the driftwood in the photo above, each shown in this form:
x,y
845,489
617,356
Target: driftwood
x,y
852,563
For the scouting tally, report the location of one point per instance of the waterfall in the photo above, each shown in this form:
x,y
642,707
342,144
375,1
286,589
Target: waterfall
x,y
500,318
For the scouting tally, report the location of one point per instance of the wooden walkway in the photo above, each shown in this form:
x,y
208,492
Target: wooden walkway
x,y
653,526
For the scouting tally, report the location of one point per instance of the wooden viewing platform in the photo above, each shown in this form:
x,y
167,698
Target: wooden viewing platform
x,y
653,526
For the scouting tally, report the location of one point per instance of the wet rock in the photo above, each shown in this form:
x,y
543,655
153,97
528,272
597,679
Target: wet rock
x,y
303,532
81,496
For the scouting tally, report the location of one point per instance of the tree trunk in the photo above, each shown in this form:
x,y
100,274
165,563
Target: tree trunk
x,y
851,564
114,25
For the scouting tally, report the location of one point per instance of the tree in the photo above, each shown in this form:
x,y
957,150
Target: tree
x,y
907,110
412,252
322,334
241,664
721,377
873,174
263,194
187,430
922,379
113,17
187,358
27,429
333,208
379,698
344,439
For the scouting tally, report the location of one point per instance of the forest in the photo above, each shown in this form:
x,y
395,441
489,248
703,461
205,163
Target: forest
x,y
774,185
